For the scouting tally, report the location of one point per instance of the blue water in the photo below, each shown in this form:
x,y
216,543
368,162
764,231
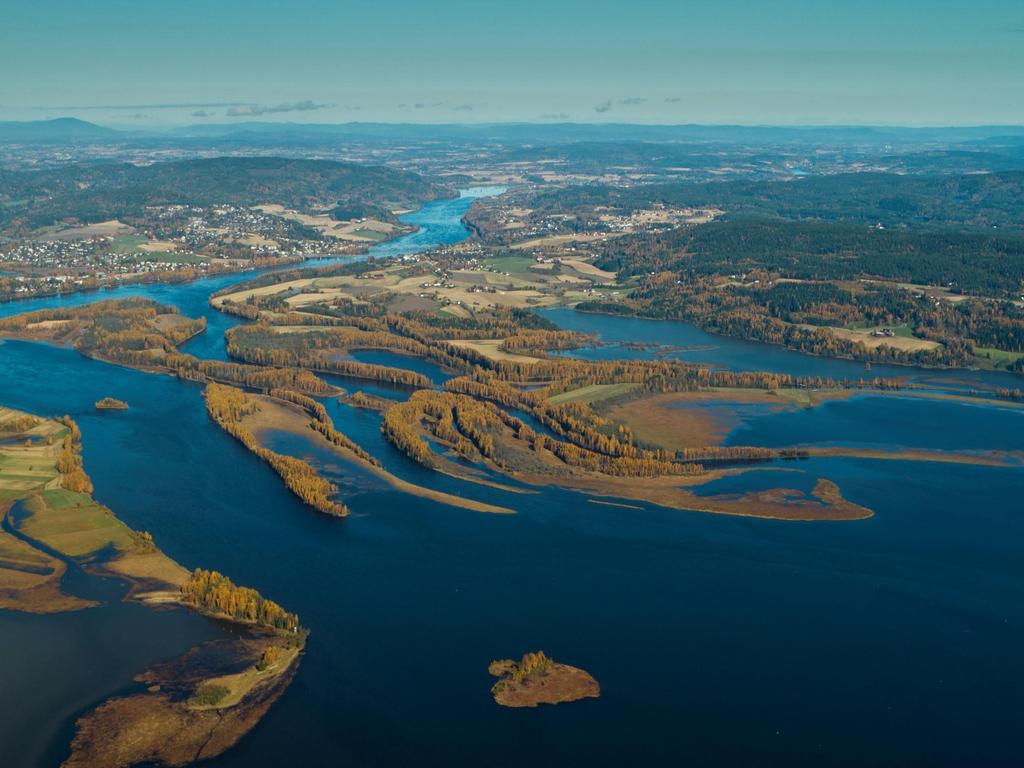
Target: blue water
x,y
432,371
438,223
717,640
875,420
735,354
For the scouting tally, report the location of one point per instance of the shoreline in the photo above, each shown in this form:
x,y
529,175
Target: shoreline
x,y
283,262
912,366
302,428
60,526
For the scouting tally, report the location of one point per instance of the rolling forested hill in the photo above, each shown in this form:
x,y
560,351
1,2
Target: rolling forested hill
x,y
97,192
965,201
973,263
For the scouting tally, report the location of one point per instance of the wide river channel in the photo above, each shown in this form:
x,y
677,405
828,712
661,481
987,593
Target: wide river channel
x,y
897,640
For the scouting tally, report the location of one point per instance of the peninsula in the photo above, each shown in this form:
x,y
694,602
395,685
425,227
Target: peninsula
x,y
197,705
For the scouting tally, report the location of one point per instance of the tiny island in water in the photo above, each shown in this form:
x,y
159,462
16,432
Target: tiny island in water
x,y
537,679
111,404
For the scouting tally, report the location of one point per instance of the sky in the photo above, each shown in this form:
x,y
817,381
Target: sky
x,y
784,62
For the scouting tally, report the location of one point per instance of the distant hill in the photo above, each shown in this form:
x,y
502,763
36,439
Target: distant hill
x,y
68,129
976,201
598,132
59,130
97,192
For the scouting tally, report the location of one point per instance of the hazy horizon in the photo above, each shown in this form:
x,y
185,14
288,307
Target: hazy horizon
x,y
284,122
793,63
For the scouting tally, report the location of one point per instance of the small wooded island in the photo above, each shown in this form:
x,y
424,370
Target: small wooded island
x,y
111,404
538,679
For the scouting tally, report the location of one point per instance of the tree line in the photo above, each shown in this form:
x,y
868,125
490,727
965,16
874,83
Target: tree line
x,y
323,423
227,406
212,592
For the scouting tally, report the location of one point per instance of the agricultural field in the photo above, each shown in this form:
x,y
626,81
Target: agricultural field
x,y
902,340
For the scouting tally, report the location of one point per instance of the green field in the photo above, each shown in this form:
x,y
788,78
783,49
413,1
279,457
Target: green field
x,y
73,523
371,234
514,265
996,358
17,555
127,244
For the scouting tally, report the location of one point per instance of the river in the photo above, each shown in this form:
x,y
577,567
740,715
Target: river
x,y
716,640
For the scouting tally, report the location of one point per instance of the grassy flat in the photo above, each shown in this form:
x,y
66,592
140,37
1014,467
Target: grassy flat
x,y
593,393
29,577
240,684
74,524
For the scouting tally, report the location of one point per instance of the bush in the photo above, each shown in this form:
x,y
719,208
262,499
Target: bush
x,y
209,695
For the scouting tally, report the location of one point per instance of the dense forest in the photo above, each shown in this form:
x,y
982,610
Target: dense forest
x,y
212,592
144,334
98,192
800,315
69,462
961,202
972,263
785,282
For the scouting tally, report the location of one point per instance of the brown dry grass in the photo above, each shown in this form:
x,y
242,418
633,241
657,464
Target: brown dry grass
x,y
38,592
239,297
158,728
555,241
561,683
47,324
984,458
774,504
588,269
149,567
489,348
659,421
678,420
158,246
873,342
110,228
240,684
341,230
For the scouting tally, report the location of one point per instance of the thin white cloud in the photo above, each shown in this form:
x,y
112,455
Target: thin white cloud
x,y
252,110
164,105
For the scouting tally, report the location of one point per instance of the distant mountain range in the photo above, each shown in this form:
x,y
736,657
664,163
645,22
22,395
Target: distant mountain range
x,y
72,130
60,130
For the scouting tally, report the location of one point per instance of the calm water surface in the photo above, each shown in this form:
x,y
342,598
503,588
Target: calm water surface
x,y
717,641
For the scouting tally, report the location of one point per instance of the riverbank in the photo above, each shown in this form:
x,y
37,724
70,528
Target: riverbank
x,y
274,414
51,524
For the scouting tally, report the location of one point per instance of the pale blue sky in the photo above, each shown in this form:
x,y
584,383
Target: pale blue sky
x,y
908,62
